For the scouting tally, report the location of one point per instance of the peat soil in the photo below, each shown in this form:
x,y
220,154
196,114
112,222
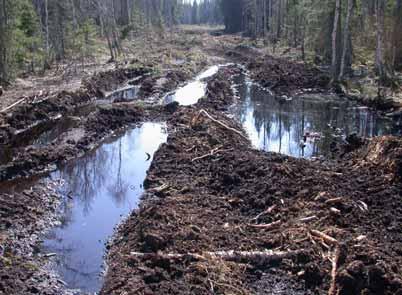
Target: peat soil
x,y
206,191
295,226
289,78
29,205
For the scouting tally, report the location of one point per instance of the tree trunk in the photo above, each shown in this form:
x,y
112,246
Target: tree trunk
x,y
380,51
346,38
397,37
335,58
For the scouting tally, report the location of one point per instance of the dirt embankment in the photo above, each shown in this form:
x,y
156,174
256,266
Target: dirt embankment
x,y
296,226
23,214
47,107
281,75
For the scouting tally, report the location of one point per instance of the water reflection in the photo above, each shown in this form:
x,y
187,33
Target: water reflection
x,y
100,188
190,93
302,127
125,94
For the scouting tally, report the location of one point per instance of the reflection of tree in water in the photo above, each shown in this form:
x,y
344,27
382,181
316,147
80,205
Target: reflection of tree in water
x,y
119,188
284,123
86,177
77,272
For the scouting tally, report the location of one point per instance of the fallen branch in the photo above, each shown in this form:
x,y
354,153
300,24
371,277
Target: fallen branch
x,y
325,237
333,201
268,211
220,123
13,105
334,260
210,154
234,256
309,218
266,226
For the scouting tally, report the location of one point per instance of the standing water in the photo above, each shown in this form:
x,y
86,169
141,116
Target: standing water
x,y
100,188
303,126
190,93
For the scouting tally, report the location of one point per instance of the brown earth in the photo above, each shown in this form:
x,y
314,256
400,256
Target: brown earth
x,y
207,191
211,203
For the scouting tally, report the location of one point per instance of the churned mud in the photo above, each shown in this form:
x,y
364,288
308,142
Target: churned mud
x,y
217,215
221,217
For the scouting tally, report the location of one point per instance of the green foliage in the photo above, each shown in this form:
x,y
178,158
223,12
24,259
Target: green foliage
x,y
82,39
23,38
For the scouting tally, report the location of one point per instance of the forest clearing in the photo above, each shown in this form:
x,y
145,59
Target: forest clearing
x,y
206,147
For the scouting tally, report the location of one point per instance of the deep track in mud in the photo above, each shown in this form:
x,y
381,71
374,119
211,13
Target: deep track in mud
x,y
208,188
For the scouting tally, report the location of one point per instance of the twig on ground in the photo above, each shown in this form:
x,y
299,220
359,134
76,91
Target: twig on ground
x,y
325,237
268,211
210,154
266,226
218,122
309,218
334,259
13,105
234,256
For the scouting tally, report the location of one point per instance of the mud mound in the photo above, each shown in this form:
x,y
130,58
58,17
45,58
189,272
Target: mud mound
x,y
110,80
209,193
23,215
156,85
90,133
285,76
386,154
219,94
39,110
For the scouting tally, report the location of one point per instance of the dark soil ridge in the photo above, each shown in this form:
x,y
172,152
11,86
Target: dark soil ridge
x,y
24,214
211,203
39,110
290,78
89,134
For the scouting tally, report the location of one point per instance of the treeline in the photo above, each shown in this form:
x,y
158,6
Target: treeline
x,y
332,29
204,12
34,34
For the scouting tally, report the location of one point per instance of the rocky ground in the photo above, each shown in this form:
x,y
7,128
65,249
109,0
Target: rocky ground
x,y
217,216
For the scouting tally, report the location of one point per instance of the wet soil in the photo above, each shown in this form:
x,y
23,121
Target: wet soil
x,y
207,191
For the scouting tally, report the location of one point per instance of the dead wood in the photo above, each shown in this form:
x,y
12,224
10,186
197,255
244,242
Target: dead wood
x,y
309,218
268,211
231,255
210,154
328,239
13,105
266,226
334,259
204,112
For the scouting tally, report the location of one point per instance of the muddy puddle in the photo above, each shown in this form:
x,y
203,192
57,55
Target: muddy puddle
x,y
190,93
304,126
100,189
125,94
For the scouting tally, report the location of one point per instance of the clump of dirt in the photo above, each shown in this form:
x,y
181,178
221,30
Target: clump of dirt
x,y
40,110
219,94
24,214
99,83
285,77
100,124
313,226
159,84
384,153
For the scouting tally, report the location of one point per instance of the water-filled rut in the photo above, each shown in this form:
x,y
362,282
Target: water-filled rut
x,y
100,189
